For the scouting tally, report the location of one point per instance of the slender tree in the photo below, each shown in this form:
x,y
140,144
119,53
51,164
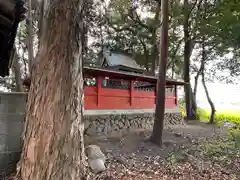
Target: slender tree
x,y
156,136
53,136
16,67
29,23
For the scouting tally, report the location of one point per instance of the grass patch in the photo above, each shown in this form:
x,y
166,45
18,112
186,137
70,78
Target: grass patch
x,y
231,116
221,116
222,151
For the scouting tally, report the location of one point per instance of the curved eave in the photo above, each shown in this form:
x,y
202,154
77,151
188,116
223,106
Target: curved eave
x,y
94,71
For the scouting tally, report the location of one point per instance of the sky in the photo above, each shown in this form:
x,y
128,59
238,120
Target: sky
x,y
224,96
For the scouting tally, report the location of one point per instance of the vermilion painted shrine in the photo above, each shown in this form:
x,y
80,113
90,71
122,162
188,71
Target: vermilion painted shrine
x,y
120,83
110,89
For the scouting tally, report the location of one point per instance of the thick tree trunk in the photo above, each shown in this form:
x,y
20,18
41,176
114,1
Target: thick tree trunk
x,y
53,135
156,136
187,54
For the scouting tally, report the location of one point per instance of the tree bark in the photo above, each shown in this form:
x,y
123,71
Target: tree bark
x,y
156,136
53,135
29,23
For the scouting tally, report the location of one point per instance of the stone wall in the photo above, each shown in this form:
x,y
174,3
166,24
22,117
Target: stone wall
x,y
12,110
104,125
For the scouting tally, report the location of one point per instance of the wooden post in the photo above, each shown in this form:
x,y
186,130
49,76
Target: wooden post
x,y
99,87
156,94
131,92
175,94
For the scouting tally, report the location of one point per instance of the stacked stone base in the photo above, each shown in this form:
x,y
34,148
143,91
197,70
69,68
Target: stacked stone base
x,y
104,125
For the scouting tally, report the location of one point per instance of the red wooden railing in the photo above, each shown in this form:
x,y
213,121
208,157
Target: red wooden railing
x,y
126,97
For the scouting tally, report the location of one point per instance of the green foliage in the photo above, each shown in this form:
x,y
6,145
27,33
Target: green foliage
x,y
203,115
221,150
181,105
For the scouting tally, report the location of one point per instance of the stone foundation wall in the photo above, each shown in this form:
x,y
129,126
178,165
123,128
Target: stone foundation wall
x,y
104,125
12,112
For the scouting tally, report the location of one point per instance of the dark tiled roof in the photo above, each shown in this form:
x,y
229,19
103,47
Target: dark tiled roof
x,y
115,59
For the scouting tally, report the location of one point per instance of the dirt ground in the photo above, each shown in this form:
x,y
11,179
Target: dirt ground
x,y
134,157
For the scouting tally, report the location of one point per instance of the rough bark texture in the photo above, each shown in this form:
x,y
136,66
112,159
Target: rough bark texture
x,y
53,135
156,136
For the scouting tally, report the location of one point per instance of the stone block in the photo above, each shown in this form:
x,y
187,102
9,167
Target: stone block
x,y
3,128
3,143
9,143
15,128
13,143
13,117
8,163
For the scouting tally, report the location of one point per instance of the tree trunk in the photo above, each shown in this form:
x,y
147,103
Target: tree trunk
x,y
154,50
196,84
53,135
40,10
173,69
194,103
213,110
202,69
187,54
156,136
17,72
29,23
